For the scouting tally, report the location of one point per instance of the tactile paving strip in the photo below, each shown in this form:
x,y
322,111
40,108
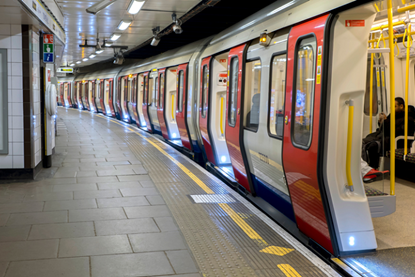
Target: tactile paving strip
x,y
225,240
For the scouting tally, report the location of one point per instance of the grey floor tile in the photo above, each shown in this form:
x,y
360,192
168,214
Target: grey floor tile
x,y
3,267
91,173
38,218
122,202
155,200
97,179
119,185
3,219
128,226
75,187
115,172
142,264
49,196
70,205
21,207
14,233
134,178
62,230
147,184
166,224
91,246
147,211
125,161
139,191
157,241
70,267
28,250
110,193
96,214
181,261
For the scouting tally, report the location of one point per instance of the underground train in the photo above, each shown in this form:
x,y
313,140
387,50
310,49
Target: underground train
x,y
263,104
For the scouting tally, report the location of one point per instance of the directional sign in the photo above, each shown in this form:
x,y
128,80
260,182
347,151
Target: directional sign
x,y
48,48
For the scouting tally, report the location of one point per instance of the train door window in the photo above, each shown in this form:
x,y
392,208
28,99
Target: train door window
x,y
181,91
252,94
145,90
157,91
205,90
303,92
233,92
276,107
161,97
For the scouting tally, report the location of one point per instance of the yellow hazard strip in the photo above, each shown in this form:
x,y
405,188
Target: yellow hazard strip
x,y
242,224
181,166
288,270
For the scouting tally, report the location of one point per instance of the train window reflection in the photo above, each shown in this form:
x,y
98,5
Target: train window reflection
x,y
276,108
252,94
304,93
205,89
233,89
181,89
161,97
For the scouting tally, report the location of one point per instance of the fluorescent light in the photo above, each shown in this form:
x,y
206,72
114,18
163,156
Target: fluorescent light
x,y
135,6
85,59
78,62
99,51
92,56
114,37
72,64
124,24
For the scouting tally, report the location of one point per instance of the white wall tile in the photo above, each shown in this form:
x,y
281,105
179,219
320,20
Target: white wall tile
x,y
16,56
16,42
6,161
5,41
17,96
17,122
5,29
17,109
17,82
18,161
17,135
16,69
16,30
18,149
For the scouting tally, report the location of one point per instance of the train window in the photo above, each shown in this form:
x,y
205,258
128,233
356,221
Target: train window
x,y
204,90
376,82
181,91
252,94
276,107
233,91
161,97
304,92
145,90
157,90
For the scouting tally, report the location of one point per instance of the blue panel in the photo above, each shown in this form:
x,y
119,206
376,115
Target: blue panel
x,y
276,198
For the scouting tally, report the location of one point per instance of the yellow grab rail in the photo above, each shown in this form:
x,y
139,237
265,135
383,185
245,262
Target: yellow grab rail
x,y
221,115
172,106
392,97
349,145
407,8
408,53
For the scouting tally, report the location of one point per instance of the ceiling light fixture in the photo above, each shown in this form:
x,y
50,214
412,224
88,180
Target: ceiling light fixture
x,y
156,38
114,37
135,6
85,59
96,8
124,24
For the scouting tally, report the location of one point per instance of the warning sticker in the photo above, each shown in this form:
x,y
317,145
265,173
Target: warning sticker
x,y
355,23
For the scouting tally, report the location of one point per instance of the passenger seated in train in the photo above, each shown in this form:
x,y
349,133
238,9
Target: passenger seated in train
x,y
378,143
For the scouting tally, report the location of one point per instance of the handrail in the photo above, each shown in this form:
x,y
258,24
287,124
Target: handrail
x,y
172,106
408,52
349,145
221,114
406,8
392,96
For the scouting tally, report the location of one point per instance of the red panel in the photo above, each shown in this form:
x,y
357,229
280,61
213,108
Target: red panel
x,y
233,134
203,122
181,116
301,164
160,110
111,97
145,101
101,98
93,96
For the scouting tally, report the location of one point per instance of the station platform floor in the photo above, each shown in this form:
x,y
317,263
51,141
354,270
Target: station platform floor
x,y
119,202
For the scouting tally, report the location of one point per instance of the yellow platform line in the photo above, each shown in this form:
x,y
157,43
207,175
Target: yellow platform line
x,y
180,165
288,270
